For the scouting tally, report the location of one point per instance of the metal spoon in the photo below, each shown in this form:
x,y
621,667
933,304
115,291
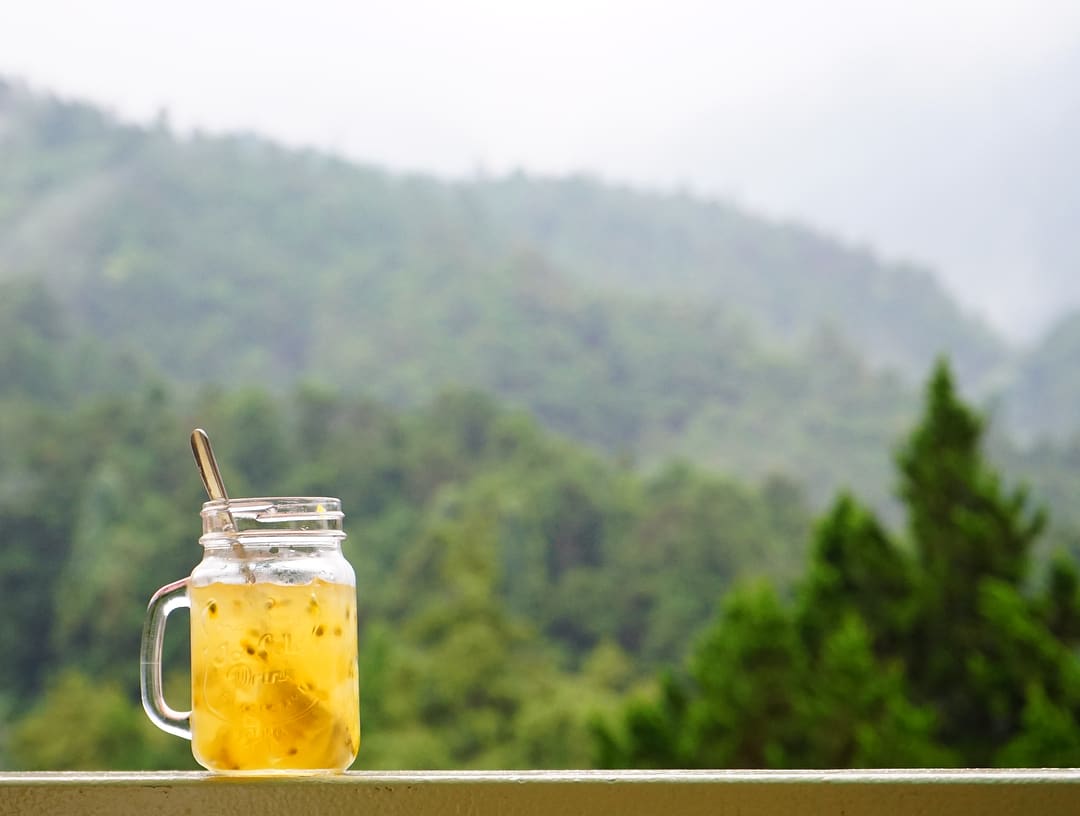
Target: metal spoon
x,y
215,487
208,469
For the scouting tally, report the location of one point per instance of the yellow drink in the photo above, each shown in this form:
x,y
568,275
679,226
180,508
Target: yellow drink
x,y
274,676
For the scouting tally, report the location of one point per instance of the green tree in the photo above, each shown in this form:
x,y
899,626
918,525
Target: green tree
x,y
85,724
859,711
972,540
930,653
464,683
856,567
737,707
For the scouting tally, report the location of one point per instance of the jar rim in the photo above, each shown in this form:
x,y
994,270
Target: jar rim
x,y
289,515
257,504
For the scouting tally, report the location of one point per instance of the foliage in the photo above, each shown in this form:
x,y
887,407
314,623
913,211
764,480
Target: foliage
x,y
234,261
1041,397
791,280
80,722
927,652
515,386
493,560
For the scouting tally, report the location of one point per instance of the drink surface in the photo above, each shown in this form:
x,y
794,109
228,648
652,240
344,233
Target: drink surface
x,y
274,676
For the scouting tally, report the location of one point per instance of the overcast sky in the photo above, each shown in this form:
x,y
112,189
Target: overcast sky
x,y
810,110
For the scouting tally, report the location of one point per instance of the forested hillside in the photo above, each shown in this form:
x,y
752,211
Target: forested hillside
x,y
581,435
126,192
644,325
788,279
508,573
526,603
1042,398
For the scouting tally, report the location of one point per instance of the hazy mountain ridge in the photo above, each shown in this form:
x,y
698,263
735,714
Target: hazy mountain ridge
x,y
1042,396
785,277
234,260
789,278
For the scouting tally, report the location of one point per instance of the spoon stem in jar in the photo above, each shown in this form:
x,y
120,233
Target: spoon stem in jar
x,y
215,488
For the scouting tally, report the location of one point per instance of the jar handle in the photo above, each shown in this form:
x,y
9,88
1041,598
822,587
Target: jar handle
x,y
166,600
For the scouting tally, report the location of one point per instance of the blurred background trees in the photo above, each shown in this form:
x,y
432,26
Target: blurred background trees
x,y
618,467
930,649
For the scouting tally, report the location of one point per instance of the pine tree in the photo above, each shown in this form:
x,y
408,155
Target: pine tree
x,y
737,706
929,652
972,538
856,567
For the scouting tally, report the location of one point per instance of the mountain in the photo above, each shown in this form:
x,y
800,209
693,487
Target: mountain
x,y
649,325
787,278
1042,397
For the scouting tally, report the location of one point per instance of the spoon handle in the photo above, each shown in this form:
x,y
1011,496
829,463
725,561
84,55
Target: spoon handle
x,y
215,489
208,469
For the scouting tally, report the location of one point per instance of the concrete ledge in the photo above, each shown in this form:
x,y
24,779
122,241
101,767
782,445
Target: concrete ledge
x,y
532,793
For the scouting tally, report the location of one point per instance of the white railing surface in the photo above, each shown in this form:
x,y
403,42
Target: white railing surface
x,y
551,793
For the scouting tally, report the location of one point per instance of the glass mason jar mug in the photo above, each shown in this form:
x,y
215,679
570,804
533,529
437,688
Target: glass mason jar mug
x,y
274,685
